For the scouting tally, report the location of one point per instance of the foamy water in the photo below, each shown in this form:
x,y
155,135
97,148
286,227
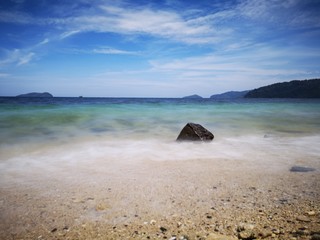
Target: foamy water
x,y
65,137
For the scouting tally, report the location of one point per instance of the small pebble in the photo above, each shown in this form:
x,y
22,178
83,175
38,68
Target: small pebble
x,y
184,238
303,218
265,234
276,231
311,213
315,237
246,234
101,207
214,236
163,229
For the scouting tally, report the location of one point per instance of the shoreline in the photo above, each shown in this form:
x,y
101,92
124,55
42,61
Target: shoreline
x,y
198,199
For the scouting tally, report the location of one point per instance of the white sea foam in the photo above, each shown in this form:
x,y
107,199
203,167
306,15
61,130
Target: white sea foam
x,y
90,158
66,139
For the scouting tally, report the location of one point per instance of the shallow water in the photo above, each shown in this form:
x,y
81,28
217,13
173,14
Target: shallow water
x,y
75,129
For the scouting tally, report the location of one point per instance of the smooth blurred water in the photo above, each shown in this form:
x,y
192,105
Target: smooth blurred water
x,y
52,119
29,124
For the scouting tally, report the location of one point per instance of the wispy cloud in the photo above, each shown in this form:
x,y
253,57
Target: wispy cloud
x,y
158,23
127,20
283,13
113,51
44,41
24,59
100,50
4,75
205,27
17,57
69,34
256,63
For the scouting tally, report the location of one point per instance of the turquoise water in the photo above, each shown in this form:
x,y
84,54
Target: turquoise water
x,y
147,128
67,118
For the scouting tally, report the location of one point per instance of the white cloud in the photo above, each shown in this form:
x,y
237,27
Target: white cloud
x,y
24,59
244,69
17,57
144,20
113,51
11,57
69,34
44,41
285,13
209,26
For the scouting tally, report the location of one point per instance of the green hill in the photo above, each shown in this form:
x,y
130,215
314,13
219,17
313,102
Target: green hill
x,y
293,89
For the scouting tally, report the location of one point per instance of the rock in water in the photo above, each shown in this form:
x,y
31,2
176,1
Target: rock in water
x,y
195,132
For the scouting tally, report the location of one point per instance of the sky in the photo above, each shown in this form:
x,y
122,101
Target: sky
x,y
155,48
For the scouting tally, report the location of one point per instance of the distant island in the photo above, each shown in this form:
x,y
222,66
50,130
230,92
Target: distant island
x,y
195,96
230,95
35,94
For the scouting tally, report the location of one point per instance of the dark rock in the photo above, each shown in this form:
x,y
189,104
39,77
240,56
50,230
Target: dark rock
x,y
195,132
283,201
301,169
163,229
315,236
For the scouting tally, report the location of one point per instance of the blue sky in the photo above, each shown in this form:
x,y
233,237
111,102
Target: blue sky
x,y
172,48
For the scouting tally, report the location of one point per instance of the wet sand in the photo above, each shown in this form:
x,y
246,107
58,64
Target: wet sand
x,y
194,199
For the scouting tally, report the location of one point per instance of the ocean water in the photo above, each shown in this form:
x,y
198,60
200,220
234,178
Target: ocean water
x,y
36,132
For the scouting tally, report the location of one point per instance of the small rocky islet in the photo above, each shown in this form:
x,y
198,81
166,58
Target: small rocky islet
x,y
35,95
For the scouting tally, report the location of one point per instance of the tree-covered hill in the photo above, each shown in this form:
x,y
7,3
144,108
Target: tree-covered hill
x,y
293,89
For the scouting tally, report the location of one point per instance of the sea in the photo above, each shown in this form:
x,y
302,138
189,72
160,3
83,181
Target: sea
x,y
36,131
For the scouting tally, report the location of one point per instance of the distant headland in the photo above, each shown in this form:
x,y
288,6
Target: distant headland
x,y
230,95
293,89
36,94
309,88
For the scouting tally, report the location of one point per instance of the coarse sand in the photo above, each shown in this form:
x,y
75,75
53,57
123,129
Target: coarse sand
x,y
193,199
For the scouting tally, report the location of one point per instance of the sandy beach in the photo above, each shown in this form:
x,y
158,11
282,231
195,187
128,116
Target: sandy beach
x,y
159,119
217,198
